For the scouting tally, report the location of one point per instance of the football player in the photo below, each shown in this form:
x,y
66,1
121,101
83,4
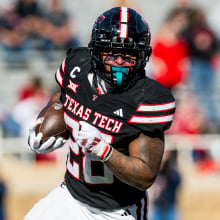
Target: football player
x,y
116,117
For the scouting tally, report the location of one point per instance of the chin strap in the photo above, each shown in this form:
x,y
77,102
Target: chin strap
x,y
99,84
118,74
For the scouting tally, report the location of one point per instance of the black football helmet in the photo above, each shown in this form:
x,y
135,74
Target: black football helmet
x,y
123,29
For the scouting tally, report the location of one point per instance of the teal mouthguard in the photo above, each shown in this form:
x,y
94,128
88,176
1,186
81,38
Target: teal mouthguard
x,y
118,73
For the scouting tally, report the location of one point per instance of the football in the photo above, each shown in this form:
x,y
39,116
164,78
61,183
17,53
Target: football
x,y
50,122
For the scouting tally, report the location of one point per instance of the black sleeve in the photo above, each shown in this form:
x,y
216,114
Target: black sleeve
x,y
155,112
76,61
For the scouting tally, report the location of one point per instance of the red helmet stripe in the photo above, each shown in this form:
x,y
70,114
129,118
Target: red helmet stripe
x,y
123,26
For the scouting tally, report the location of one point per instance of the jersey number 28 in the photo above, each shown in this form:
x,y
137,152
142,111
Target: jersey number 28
x,y
83,165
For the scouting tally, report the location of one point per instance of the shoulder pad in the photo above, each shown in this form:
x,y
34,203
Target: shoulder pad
x,y
155,107
80,57
76,61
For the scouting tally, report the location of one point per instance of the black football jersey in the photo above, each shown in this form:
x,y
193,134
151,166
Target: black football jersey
x,y
146,108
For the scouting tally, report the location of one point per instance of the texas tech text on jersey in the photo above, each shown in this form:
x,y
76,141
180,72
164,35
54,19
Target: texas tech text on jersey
x,y
84,113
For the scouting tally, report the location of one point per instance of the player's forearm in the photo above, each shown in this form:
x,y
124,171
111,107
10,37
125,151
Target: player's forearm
x,y
141,167
131,170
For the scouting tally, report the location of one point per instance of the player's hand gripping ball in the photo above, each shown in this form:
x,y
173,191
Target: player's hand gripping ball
x,y
50,122
49,131
92,140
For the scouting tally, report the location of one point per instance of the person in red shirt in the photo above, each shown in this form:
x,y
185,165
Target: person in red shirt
x,y
170,51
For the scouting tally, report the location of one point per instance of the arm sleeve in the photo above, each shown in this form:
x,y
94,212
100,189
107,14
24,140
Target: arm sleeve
x,y
76,61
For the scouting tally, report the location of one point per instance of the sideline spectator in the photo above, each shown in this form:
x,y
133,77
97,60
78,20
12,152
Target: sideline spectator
x,y
189,117
32,86
30,101
28,8
30,12
32,97
3,191
191,121
58,32
8,126
170,51
14,38
203,50
165,189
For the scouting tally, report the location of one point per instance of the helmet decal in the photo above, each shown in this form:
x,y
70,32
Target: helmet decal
x,y
99,19
123,25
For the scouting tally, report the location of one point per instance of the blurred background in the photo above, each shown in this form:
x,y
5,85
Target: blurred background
x,y
34,36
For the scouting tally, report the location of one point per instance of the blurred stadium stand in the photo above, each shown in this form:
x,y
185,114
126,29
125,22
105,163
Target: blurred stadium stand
x,y
199,196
